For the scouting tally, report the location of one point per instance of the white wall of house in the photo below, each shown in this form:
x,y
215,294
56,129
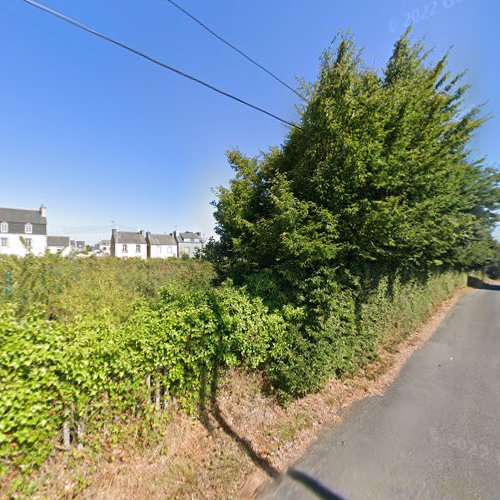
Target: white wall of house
x,y
11,244
127,250
64,251
190,249
163,251
104,249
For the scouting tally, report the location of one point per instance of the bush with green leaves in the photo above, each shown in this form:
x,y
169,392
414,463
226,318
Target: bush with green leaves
x,y
72,286
350,337
88,371
372,197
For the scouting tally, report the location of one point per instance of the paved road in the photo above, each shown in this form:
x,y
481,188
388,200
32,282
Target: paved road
x,y
434,434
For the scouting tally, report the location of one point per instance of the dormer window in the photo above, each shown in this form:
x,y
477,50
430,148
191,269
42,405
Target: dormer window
x,y
4,227
28,228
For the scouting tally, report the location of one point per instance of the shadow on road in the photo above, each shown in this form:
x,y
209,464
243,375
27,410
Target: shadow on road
x,y
313,485
480,284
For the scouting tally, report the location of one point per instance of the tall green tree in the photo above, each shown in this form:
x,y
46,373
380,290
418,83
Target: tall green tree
x,y
380,176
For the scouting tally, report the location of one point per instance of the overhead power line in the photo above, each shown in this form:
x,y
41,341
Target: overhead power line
x,y
153,60
236,49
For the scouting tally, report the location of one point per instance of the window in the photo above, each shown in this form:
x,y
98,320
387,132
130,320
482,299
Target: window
x,y
28,242
4,227
124,249
28,228
138,249
5,242
159,249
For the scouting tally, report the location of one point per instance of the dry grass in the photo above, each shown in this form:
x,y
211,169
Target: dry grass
x,y
244,441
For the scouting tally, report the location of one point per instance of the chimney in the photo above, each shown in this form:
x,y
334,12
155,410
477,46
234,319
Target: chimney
x,y
141,232
43,211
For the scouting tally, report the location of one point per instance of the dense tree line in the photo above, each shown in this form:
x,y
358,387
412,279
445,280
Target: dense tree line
x,y
379,175
376,185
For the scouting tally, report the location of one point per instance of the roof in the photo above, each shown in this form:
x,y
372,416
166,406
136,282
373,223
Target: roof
x,y
161,239
105,242
22,215
58,241
188,235
132,238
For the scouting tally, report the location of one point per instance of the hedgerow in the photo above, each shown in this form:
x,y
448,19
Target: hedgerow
x,y
68,287
62,378
63,381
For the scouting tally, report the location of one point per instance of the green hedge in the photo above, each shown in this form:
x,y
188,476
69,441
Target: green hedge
x,y
68,287
350,336
92,370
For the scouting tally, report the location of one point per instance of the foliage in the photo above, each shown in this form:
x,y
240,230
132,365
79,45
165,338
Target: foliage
x,y
91,370
374,195
351,338
72,286
493,267
379,176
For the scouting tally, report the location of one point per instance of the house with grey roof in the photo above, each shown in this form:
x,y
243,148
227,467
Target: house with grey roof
x,y
161,246
59,245
23,232
77,246
189,243
103,247
126,244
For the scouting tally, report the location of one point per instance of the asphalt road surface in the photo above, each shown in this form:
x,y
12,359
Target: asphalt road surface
x,y
435,434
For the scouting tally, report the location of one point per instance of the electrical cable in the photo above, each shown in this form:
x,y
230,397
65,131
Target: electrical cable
x,y
107,38
239,51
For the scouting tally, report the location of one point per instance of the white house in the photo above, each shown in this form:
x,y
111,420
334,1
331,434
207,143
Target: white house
x,y
23,232
103,247
161,246
77,246
188,243
126,244
59,244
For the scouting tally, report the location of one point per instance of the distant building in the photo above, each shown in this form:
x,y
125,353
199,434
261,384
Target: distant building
x,y
161,246
59,244
188,243
103,247
128,244
77,246
23,232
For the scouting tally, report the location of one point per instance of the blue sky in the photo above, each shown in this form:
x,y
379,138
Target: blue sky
x,y
99,135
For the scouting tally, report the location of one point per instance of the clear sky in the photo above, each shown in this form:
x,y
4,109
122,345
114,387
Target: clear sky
x,y
99,135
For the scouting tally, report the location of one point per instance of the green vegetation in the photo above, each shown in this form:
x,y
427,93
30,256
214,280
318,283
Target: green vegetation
x,y
70,287
93,371
375,195
345,238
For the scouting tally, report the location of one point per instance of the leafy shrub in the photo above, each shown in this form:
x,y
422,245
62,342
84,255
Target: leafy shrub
x,y
92,369
351,337
68,287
